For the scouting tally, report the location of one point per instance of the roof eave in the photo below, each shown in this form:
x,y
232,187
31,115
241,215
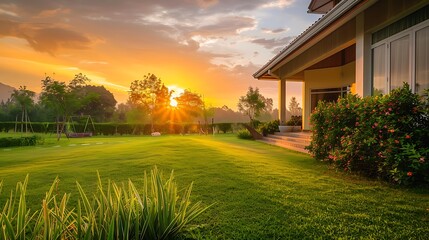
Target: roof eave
x,y
340,9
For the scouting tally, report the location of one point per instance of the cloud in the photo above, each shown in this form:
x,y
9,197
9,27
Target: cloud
x,y
53,12
45,38
275,31
8,13
98,18
50,40
278,4
273,42
226,26
207,3
93,62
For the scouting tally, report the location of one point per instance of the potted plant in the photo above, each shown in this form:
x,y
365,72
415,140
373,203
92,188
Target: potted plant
x,y
285,127
295,123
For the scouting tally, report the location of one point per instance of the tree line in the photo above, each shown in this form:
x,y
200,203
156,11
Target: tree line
x,y
149,101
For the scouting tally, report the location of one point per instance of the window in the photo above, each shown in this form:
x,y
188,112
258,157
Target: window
x,y
399,62
403,57
422,60
379,70
327,94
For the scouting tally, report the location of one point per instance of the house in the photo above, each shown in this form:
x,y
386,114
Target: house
x,y
363,47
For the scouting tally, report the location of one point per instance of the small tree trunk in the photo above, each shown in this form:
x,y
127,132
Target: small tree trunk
x,y
22,119
58,129
26,120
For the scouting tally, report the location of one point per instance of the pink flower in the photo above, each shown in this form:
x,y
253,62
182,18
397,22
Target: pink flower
x,y
357,124
375,124
407,136
422,160
409,174
396,141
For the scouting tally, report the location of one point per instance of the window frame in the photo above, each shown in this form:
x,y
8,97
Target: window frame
x,y
411,32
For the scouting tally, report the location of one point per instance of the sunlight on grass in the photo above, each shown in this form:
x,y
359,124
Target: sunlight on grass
x,y
260,191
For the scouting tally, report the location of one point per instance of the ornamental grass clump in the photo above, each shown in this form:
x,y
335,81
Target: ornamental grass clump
x,y
381,136
114,211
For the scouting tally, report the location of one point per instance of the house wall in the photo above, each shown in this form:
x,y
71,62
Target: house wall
x,y
385,12
325,78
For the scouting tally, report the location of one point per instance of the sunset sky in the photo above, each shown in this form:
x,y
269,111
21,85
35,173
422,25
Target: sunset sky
x,y
208,46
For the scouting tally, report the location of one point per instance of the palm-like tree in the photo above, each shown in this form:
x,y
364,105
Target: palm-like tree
x,y
25,98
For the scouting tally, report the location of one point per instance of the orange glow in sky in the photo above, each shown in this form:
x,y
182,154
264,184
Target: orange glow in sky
x,y
209,47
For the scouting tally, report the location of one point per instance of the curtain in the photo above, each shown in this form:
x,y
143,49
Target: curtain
x,y
422,60
379,70
399,62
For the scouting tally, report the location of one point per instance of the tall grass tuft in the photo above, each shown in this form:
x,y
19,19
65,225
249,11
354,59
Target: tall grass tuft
x,y
114,211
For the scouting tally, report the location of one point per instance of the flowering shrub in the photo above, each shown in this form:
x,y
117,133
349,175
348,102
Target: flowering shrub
x,y
381,136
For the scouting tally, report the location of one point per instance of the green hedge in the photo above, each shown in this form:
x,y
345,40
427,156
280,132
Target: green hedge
x,y
21,141
111,128
385,137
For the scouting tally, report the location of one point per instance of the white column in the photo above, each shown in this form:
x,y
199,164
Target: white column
x,y
282,100
363,58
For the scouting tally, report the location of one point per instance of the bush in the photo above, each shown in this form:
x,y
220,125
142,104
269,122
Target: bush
x,y
269,127
382,136
294,121
116,212
21,141
225,127
244,134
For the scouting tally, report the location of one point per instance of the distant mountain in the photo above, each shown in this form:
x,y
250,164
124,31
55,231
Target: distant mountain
x,y
5,91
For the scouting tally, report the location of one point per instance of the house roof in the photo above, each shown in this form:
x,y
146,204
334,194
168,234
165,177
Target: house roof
x,y
335,13
321,6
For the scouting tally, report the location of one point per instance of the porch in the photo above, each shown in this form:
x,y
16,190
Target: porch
x,y
296,141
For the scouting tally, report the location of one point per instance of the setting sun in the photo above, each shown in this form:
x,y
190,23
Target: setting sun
x,y
176,92
173,102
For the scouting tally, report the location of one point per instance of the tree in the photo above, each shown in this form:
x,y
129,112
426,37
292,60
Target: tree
x,y
190,104
149,95
253,104
24,98
96,101
62,98
294,107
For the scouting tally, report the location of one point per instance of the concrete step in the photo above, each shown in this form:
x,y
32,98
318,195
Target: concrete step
x,y
300,139
294,134
296,141
294,147
286,142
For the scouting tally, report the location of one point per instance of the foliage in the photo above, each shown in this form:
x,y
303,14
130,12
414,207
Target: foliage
x,y
115,212
113,128
149,95
269,127
224,127
59,96
381,136
190,105
294,107
244,134
295,120
97,101
23,97
253,103
21,141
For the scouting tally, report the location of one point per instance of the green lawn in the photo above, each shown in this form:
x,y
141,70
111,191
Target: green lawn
x,y
260,191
